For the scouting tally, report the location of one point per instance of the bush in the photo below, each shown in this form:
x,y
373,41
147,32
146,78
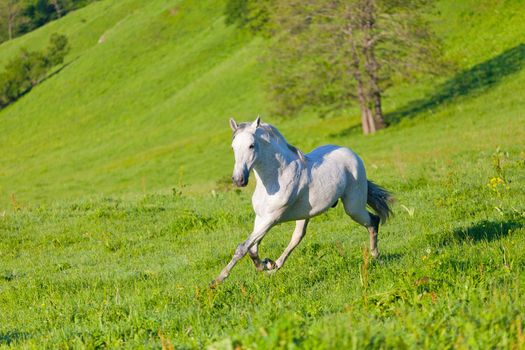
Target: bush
x,y
29,68
57,50
250,14
236,12
36,13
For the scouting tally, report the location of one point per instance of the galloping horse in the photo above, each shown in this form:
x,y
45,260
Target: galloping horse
x,y
296,186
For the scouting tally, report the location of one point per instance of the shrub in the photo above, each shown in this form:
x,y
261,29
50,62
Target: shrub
x,y
29,68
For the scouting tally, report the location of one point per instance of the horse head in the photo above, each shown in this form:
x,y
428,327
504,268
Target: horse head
x,y
245,148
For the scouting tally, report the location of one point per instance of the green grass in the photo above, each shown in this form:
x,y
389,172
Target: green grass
x,y
115,215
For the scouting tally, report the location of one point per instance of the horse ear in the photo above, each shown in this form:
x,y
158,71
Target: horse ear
x,y
233,124
257,122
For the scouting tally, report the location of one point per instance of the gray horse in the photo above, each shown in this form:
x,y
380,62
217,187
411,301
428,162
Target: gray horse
x,y
294,186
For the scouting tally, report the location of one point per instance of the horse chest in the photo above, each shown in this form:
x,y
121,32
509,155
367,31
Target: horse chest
x,y
273,203
265,204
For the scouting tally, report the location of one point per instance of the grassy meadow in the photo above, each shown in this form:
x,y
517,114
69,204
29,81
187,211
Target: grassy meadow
x,y
116,211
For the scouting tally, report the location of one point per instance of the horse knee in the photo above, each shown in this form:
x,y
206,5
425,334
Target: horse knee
x,y
360,216
240,251
374,221
253,251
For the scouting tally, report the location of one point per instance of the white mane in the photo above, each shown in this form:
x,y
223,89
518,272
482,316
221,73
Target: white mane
x,y
270,132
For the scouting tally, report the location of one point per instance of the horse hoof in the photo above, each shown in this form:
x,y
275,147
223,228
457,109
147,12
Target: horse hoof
x,y
214,284
271,272
375,253
269,265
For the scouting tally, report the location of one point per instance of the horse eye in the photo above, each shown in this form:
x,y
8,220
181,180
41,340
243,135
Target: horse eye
x,y
252,146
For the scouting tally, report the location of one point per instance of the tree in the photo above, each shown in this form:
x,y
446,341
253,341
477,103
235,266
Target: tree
x,y
39,12
57,50
330,54
22,16
57,7
11,12
29,68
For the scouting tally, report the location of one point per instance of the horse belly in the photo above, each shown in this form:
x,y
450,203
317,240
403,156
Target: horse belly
x,y
323,190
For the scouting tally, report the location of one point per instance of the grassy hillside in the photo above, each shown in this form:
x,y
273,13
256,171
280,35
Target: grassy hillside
x,y
114,218
165,77
147,107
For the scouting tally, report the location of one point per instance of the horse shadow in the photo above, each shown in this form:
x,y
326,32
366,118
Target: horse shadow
x,y
484,230
388,258
477,79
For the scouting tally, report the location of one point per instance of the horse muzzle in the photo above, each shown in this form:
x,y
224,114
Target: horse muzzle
x,y
241,181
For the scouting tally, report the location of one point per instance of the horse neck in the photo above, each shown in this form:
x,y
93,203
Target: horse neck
x,y
272,162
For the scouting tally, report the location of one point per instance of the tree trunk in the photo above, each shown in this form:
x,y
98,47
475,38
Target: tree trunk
x,y
364,122
365,117
10,29
371,121
378,111
12,13
355,67
371,64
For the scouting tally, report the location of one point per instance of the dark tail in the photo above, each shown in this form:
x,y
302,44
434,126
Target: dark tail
x,y
379,199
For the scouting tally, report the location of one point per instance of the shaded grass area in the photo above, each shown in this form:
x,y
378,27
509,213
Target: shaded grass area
x,y
486,230
10,337
475,80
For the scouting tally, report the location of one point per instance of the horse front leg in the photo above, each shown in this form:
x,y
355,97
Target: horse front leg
x,y
297,236
261,227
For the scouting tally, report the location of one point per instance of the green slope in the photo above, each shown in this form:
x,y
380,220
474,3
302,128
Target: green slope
x,y
147,107
164,78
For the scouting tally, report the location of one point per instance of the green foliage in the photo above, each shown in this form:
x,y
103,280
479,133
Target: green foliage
x,y
307,61
39,13
57,50
324,53
36,13
235,12
12,17
29,68
250,14
20,75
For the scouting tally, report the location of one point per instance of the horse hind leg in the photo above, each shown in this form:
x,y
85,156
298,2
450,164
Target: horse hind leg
x,y
355,207
373,231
